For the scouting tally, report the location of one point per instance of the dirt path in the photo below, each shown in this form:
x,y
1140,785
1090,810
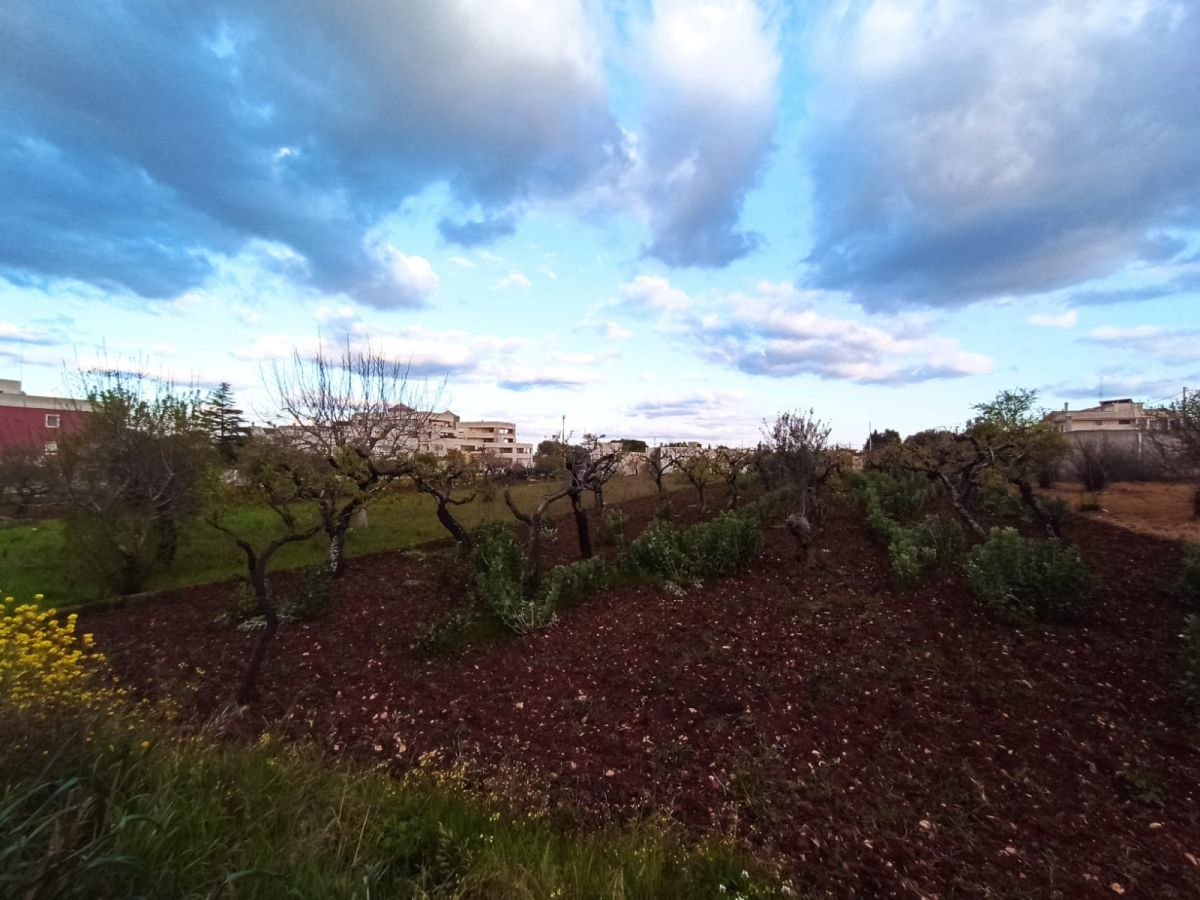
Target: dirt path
x,y
1155,508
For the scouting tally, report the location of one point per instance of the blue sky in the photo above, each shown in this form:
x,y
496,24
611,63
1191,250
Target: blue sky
x,y
661,220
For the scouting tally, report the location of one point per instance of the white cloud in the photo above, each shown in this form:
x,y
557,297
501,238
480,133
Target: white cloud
x,y
781,333
413,276
653,292
514,279
1170,345
614,332
1067,319
462,262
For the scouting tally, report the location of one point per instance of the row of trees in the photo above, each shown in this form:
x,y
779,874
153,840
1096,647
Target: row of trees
x,y
1009,443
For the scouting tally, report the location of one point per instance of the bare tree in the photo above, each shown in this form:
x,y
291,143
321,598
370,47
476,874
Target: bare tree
x,y
439,477
699,470
590,465
730,464
534,523
658,465
362,415
281,477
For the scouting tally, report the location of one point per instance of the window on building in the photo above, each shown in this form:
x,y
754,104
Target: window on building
x,y
1124,421
52,420
51,446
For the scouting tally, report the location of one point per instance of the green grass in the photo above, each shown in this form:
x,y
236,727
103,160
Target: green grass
x,y
191,819
34,559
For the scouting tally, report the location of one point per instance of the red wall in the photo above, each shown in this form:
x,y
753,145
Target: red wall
x,y
25,425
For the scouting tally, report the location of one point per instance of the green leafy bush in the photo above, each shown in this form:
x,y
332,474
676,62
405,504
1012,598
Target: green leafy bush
x,y
500,575
313,596
572,583
914,549
1022,578
1189,581
659,553
613,525
942,537
724,545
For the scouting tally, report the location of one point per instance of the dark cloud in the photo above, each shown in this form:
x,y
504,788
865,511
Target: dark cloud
x,y
475,233
1014,148
530,382
1109,386
138,139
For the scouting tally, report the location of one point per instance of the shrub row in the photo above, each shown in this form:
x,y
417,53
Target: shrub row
x,y
913,550
722,546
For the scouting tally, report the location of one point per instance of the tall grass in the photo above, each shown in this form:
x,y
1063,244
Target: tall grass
x,y
191,819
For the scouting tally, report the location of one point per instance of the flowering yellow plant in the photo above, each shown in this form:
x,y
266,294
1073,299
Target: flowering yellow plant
x,y
44,663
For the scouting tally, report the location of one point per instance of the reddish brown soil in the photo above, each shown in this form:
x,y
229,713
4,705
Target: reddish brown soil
x,y
877,744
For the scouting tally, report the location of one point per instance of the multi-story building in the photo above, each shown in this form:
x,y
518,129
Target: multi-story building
x,y
28,420
444,431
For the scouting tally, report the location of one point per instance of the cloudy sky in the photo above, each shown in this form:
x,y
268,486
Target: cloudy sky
x,y
663,220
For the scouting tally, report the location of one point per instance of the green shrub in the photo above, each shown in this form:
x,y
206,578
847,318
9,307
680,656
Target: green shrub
x,y
1189,581
613,525
912,550
500,577
565,585
999,501
909,559
312,599
725,545
659,553
942,537
1022,578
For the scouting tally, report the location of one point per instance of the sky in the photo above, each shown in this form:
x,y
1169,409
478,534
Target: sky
x,y
661,220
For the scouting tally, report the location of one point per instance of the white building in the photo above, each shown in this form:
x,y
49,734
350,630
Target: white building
x,y
1111,415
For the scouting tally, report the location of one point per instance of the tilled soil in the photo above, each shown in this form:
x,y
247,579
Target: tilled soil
x,y
875,743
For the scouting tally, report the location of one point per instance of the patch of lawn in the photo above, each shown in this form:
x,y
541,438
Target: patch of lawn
x,y
35,560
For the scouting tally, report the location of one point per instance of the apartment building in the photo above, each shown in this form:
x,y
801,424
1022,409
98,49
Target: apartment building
x,y
30,420
445,431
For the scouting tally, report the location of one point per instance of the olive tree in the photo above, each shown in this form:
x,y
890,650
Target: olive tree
x,y
730,465
276,474
796,456
658,465
133,472
440,477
